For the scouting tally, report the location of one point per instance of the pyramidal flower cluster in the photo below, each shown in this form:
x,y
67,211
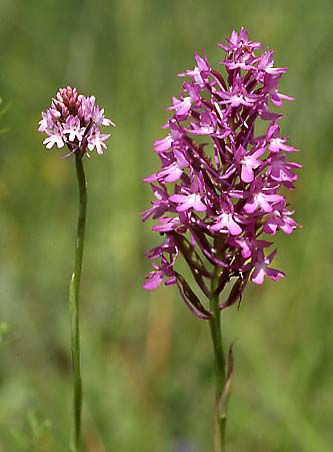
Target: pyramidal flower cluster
x,y
218,189
74,120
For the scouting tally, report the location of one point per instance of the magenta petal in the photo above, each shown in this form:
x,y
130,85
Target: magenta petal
x,y
250,206
177,198
183,207
289,226
270,228
266,207
199,206
247,174
163,145
217,227
153,280
233,227
258,276
246,250
274,147
174,176
274,274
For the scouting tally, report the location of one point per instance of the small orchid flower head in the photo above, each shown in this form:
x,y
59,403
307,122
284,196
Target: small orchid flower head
x,y
74,120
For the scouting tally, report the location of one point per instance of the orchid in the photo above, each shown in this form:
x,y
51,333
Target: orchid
x,y
237,174
74,120
218,190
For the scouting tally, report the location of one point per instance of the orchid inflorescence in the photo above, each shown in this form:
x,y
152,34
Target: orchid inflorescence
x,y
74,120
218,189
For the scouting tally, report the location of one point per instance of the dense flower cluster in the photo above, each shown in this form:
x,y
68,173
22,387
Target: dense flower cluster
x,y
74,120
219,185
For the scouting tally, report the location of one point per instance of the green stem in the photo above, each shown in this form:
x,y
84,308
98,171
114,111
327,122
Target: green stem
x,y
220,368
74,303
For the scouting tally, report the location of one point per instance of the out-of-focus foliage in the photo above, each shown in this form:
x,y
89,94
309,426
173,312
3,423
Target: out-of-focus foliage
x,y
147,363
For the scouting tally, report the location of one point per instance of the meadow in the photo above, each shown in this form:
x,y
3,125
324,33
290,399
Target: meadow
x,y
146,361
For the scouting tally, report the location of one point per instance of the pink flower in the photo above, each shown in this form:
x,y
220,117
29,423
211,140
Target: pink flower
x,y
163,145
277,143
185,202
182,107
238,96
96,140
279,218
218,189
56,137
75,121
226,223
165,269
261,268
249,163
282,171
262,198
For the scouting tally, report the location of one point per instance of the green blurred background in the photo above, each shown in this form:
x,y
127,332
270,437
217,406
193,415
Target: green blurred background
x,y
147,363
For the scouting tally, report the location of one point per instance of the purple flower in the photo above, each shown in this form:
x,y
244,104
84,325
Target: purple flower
x,y
75,121
226,223
261,268
276,142
280,219
281,171
215,198
189,201
160,206
249,162
262,198
165,268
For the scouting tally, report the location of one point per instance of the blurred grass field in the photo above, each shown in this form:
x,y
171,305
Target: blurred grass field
x,y
147,363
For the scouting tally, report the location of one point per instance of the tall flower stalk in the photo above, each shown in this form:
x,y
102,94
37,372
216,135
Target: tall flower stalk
x,y
74,122
218,191
74,300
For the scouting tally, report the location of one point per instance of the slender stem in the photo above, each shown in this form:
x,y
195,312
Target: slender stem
x,y
74,303
220,368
